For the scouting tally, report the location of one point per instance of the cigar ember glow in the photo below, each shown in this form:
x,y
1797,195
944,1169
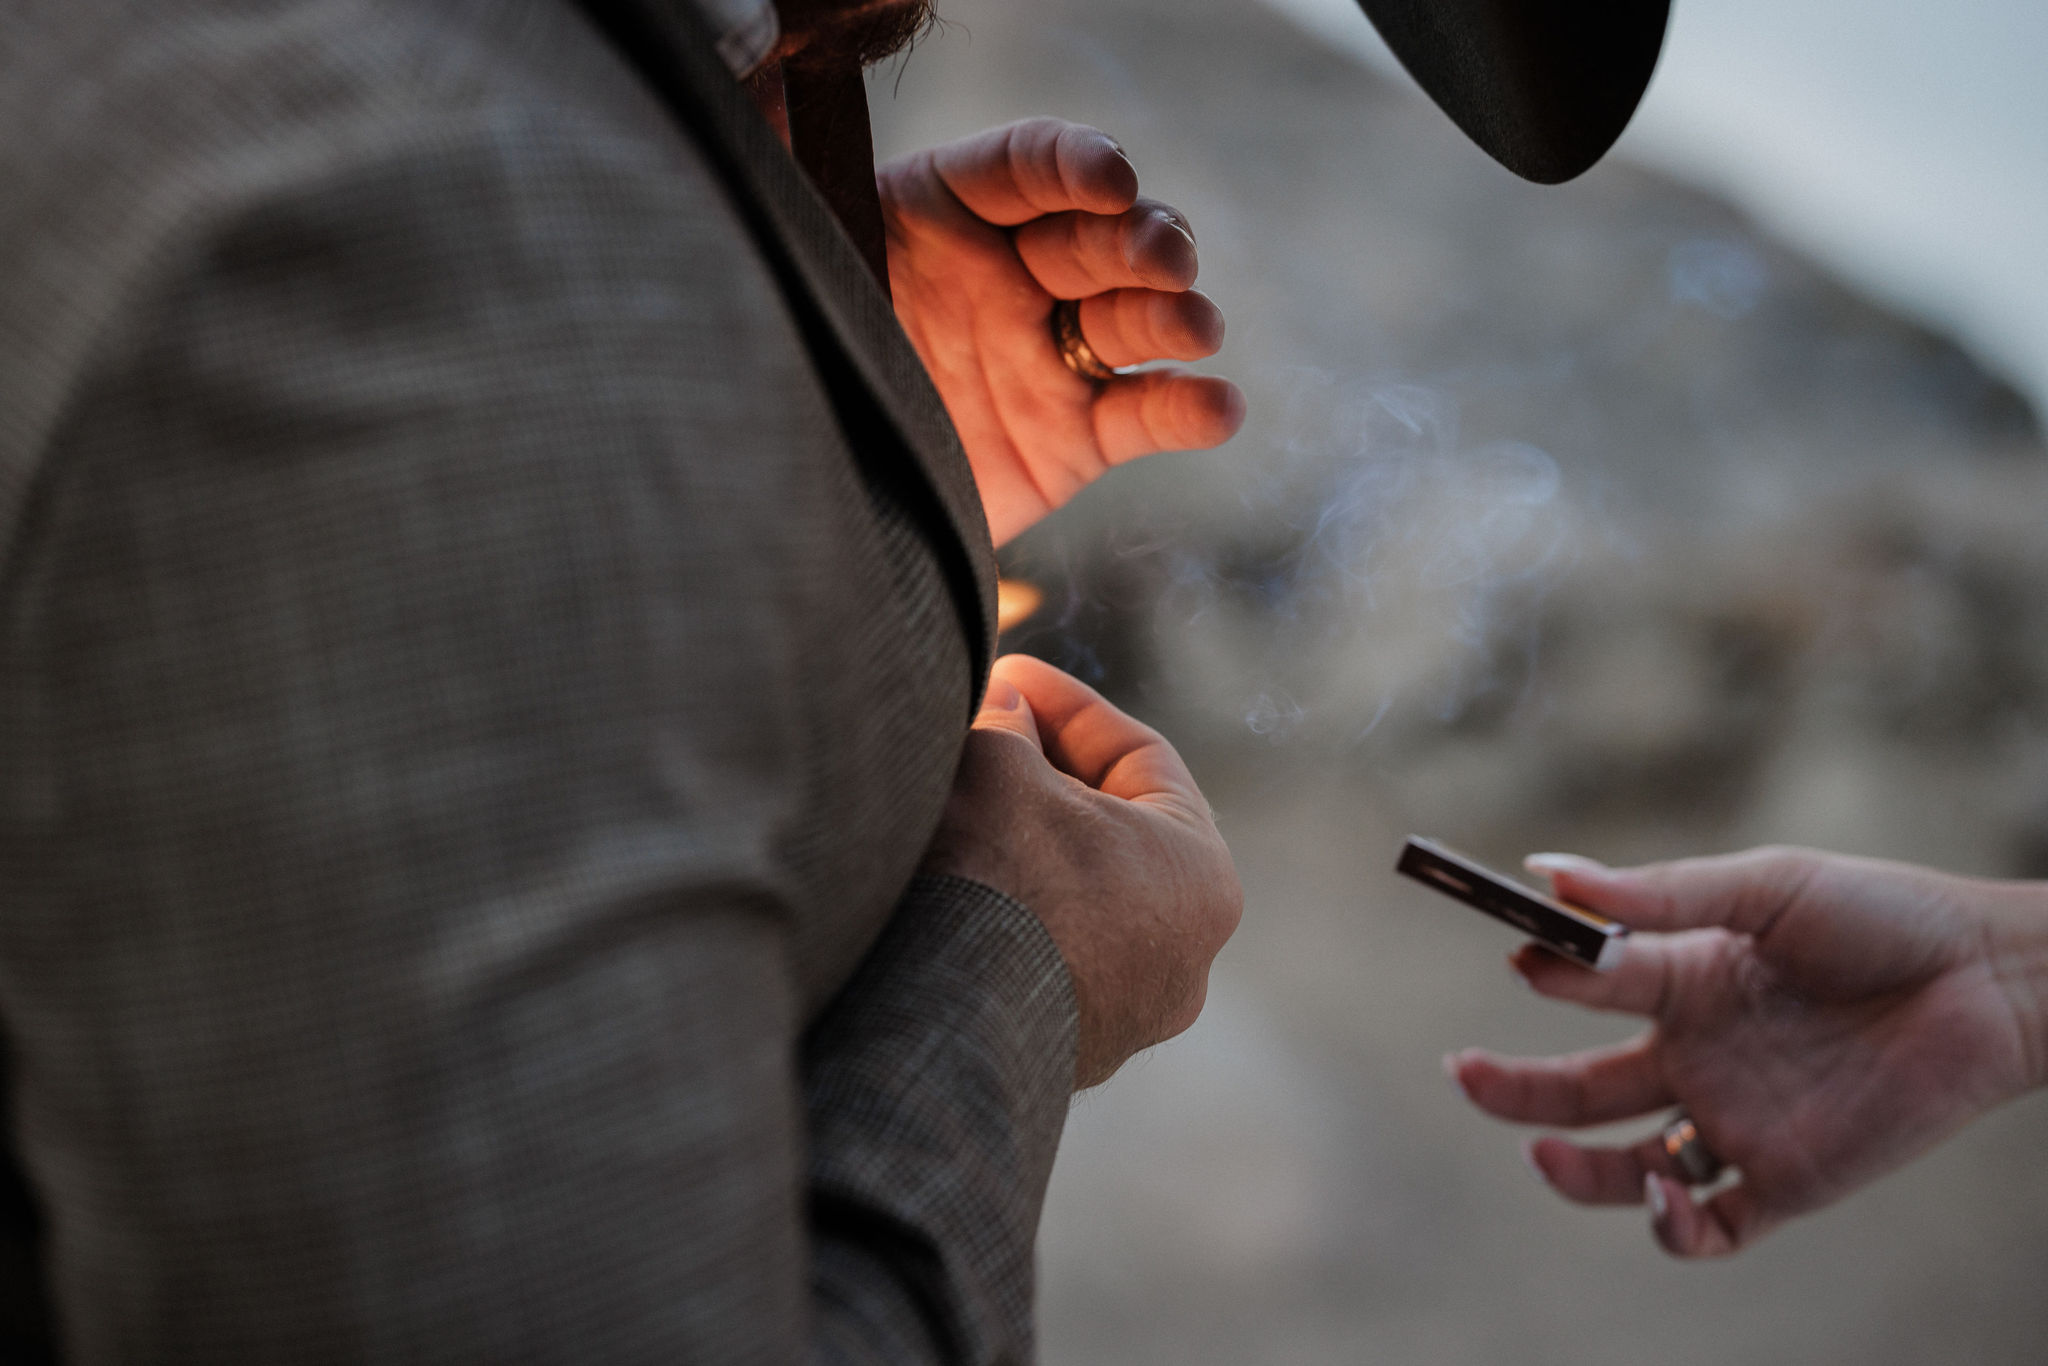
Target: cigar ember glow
x,y
1590,940
1016,601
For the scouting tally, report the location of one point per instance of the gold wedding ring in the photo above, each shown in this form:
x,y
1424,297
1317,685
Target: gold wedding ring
x,y
1689,1152
1073,347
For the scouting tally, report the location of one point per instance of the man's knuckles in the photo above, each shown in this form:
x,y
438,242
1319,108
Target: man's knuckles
x,y
1135,326
1190,1009
1096,174
1075,255
1060,165
1037,166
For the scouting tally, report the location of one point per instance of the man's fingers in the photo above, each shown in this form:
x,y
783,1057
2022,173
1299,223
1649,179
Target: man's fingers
x,y
1165,410
1074,255
1727,1223
1087,737
1599,1086
1744,893
1021,171
1004,708
1133,326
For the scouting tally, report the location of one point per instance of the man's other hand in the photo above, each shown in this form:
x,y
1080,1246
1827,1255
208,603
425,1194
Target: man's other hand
x,y
1091,819
985,235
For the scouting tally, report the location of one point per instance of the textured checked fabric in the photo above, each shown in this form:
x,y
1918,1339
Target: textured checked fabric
x,y
488,606
744,31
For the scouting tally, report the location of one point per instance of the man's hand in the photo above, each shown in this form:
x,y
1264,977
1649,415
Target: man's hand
x,y
1822,1019
1092,821
984,236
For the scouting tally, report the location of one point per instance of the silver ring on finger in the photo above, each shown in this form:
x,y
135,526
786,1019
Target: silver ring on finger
x,y
1689,1152
1073,347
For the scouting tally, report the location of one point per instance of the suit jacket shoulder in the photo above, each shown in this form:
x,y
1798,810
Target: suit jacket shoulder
x,y
99,198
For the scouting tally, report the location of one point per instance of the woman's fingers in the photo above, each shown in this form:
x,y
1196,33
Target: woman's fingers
x,y
1133,326
1599,1086
1165,410
1744,893
1729,1221
1025,170
1597,1175
1652,976
1075,255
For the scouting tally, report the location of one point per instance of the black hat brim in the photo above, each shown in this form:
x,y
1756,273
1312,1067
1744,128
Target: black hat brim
x,y
1544,86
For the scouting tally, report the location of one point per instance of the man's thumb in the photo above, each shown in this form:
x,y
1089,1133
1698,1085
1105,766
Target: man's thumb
x,y
1004,708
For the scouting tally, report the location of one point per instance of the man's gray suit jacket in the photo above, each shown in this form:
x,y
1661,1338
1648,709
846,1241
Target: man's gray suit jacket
x,y
489,607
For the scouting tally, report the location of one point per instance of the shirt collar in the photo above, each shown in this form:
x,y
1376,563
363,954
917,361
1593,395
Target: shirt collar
x,y
746,29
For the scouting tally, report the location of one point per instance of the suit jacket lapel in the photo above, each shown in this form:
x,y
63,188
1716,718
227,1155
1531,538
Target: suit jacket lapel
x,y
829,288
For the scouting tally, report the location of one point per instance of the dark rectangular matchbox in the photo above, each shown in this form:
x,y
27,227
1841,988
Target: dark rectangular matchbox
x,y
1583,937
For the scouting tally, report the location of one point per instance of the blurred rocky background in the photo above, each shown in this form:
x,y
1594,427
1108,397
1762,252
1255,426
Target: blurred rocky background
x,y
1583,518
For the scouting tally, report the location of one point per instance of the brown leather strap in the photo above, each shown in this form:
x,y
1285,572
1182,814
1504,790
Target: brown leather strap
x,y
831,138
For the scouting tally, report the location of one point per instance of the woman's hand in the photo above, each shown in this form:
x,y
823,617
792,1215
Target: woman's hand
x,y
984,235
1092,821
1822,1019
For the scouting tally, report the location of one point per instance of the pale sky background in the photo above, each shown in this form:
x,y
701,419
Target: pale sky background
x,y
1903,143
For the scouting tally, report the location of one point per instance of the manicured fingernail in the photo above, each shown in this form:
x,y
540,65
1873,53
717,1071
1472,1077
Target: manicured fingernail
x,y
1523,982
1562,863
1529,1156
1653,1195
1451,1071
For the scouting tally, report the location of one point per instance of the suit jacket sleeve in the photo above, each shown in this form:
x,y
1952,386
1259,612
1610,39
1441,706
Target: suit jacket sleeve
x,y
405,714
912,1084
